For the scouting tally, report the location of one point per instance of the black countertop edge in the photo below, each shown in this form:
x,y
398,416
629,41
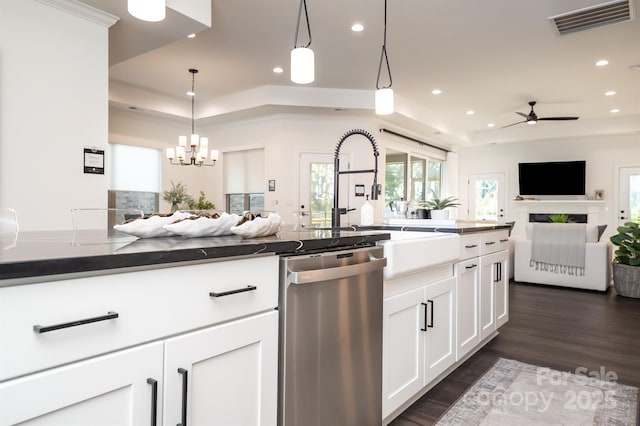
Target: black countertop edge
x,y
163,252
448,230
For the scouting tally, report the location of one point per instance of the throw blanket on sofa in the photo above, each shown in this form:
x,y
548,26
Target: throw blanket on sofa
x,y
559,248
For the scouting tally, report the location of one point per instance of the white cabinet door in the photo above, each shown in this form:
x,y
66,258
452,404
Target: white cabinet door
x,y
467,306
501,288
440,327
114,389
224,375
487,297
403,348
494,292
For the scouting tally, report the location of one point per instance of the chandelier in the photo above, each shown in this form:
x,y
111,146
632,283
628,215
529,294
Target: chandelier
x,y
198,146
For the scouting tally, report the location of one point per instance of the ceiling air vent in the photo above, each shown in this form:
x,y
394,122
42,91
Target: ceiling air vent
x,y
593,16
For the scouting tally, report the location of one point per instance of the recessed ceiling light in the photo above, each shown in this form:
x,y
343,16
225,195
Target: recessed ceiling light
x,y
357,28
278,70
436,91
602,63
610,93
491,125
192,35
470,112
190,93
615,110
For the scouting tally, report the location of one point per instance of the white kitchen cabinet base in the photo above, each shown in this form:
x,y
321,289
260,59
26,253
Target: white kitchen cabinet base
x,y
106,390
231,373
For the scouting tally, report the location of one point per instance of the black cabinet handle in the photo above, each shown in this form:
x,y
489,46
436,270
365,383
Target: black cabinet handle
x,y
470,246
504,240
46,328
489,243
471,266
498,272
185,375
431,303
425,318
236,291
154,401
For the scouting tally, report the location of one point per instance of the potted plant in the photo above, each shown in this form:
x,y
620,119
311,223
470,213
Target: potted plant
x,y
201,204
626,262
438,206
176,196
559,218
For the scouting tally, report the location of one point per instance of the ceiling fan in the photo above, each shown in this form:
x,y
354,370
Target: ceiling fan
x,y
532,118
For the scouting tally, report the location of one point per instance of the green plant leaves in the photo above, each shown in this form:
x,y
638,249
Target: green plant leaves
x,y
628,242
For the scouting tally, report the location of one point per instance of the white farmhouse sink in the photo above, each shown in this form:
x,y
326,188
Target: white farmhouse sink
x,y
408,251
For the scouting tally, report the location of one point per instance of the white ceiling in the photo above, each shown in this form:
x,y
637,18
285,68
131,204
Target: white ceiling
x,y
491,57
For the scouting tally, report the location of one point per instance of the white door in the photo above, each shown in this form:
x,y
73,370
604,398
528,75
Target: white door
x,y
224,375
402,348
114,389
441,331
629,196
487,197
467,293
316,190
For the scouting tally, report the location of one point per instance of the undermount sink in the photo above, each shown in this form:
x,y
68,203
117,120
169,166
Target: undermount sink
x,y
409,252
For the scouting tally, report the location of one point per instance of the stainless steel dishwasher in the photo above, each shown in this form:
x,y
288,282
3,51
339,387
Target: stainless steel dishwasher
x,y
330,370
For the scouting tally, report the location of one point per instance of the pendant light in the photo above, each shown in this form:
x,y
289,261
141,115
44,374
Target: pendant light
x,y
302,58
147,10
198,146
384,94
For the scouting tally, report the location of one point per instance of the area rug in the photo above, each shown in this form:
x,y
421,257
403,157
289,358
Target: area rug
x,y
515,393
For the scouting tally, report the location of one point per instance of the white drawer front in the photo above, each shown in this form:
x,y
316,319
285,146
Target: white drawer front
x,y
150,305
494,241
469,246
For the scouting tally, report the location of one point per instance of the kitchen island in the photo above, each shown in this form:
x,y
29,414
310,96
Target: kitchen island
x,y
167,325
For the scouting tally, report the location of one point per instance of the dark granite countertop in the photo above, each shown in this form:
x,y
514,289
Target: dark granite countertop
x,y
55,253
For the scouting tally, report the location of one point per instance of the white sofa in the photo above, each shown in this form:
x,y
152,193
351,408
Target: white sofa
x,y
597,270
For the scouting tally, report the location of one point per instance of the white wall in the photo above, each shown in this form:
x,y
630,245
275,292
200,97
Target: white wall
x,y
53,103
603,154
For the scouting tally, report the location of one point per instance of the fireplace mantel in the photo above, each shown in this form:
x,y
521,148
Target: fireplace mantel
x,y
594,209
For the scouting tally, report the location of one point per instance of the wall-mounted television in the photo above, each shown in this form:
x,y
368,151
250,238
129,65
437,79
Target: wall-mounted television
x,y
552,178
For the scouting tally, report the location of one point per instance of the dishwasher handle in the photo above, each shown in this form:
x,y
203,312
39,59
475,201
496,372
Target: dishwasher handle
x,y
328,274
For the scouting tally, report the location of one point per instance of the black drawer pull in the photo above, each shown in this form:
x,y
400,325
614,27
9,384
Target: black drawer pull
x,y
425,317
471,246
185,375
154,400
471,266
236,291
47,328
489,243
504,240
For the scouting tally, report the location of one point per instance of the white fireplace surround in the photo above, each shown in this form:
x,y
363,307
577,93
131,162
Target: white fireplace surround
x,y
594,209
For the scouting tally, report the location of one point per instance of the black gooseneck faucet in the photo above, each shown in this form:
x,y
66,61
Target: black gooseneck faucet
x,y
337,211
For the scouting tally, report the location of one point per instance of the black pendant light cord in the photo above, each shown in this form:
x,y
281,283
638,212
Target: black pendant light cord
x,y
383,54
193,99
306,15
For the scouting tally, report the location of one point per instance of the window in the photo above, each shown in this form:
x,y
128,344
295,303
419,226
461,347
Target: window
x,y
244,180
239,203
395,176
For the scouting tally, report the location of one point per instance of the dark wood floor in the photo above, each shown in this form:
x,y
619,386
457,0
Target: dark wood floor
x,y
552,327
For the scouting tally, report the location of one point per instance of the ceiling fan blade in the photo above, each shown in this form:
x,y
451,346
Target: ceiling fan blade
x,y
557,118
522,114
519,122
